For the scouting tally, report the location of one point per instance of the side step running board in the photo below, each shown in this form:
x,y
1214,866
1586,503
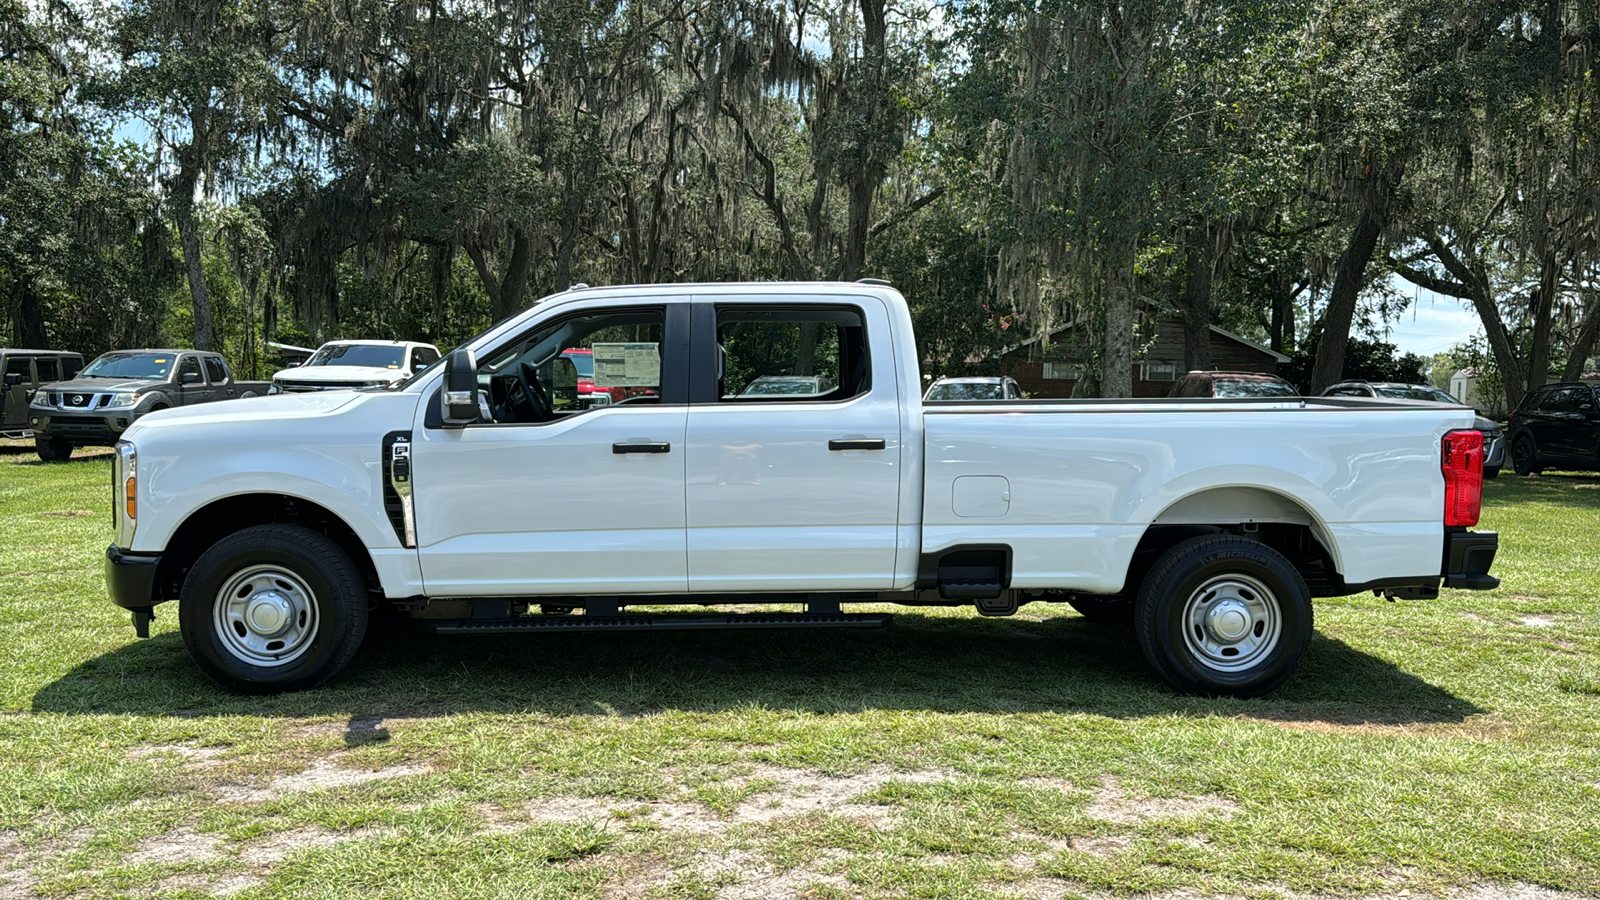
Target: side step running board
x,y
667,622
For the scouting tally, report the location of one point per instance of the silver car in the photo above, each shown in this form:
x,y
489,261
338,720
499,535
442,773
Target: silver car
x,y
975,388
1494,437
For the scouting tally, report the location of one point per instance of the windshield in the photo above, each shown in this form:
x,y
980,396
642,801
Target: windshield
x,y
130,365
1240,387
969,390
378,357
583,361
1416,392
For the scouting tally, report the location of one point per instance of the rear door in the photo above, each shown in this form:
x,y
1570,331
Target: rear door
x,y
793,490
219,377
17,368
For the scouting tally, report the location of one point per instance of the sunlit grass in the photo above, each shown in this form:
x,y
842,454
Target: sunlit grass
x,y
1422,746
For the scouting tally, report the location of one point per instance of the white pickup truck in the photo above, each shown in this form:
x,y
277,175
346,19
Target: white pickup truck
x,y
487,494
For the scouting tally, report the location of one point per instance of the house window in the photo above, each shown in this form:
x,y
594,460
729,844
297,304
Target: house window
x,y
1062,371
1160,371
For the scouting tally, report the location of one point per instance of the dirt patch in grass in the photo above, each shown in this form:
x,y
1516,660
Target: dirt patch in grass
x,y
193,758
746,875
1536,621
277,848
323,775
68,513
1046,889
177,848
1112,804
637,877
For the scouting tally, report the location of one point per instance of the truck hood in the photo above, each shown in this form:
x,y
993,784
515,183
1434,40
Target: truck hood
x,y
102,385
347,374
267,415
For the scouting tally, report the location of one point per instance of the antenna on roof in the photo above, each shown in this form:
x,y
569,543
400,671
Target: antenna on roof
x,y
880,282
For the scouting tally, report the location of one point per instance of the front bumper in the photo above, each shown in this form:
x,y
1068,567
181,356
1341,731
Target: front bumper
x,y
1494,453
1467,558
131,578
81,428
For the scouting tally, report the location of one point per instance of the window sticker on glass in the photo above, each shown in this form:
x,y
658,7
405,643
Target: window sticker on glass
x,y
159,361
627,365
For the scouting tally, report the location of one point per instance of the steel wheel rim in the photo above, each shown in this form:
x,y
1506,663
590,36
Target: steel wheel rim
x,y
1231,622
265,615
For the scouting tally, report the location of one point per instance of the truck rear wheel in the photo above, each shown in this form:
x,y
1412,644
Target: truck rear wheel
x,y
1224,615
52,449
273,608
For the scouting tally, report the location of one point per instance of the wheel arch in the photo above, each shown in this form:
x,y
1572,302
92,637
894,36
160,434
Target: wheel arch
x,y
1273,517
220,518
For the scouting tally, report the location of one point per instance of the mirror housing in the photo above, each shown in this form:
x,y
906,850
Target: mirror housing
x,y
563,383
189,378
13,379
458,399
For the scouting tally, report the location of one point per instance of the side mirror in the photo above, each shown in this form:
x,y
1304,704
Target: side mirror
x,y
563,383
458,402
189,378
13,379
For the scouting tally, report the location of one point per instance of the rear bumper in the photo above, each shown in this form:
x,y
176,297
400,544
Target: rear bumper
x,y
1467,558
131,578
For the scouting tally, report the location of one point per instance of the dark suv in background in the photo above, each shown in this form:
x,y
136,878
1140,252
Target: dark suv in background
x,y
1494,437
1556,426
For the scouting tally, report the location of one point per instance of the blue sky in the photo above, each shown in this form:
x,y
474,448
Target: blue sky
x,y
1433,323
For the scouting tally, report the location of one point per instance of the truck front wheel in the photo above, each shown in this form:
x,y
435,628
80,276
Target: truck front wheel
x,y
273,608
52,449
1224,615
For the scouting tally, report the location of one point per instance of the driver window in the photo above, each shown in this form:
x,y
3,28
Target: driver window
x,y
573,365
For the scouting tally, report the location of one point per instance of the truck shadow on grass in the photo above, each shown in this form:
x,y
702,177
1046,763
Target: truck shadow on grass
x,y
930,663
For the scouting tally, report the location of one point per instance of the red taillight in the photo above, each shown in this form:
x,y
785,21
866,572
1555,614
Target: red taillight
x,y
1463,477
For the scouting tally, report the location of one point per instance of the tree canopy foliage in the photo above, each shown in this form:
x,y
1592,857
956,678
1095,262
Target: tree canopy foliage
x,y
228,173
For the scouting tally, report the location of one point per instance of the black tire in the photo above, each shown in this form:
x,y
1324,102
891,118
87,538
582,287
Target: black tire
x,y
1524,457
1491,473
53,449
312,610
1246,645
1103,610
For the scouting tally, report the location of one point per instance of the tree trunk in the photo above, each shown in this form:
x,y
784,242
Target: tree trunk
x,y
191,163
1197,306
1329,365
505,294
1116,378
27,317
1543,308
1583,345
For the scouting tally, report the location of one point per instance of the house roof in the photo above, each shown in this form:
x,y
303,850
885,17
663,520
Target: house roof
x,y
1276,356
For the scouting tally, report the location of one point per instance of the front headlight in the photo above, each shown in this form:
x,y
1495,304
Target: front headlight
x,y
274,388
125,493
124,399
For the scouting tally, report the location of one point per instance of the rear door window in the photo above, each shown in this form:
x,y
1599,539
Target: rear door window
x,y
776,355
48,370
216,371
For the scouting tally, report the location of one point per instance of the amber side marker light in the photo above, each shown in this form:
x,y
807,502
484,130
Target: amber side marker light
x,y
129,489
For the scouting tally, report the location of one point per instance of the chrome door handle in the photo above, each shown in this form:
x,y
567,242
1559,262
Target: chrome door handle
x,y
662,447
857,444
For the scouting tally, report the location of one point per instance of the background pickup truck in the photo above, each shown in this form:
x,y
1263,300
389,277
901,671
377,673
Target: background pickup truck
x,y
487,494
118,387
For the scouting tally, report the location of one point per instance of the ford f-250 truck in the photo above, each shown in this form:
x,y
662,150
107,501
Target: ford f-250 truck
x,y
486,495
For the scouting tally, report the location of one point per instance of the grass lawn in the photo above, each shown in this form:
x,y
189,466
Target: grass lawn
x,y
1446,748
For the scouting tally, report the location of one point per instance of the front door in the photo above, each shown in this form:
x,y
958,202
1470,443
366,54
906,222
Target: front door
x,y
794,448
547,494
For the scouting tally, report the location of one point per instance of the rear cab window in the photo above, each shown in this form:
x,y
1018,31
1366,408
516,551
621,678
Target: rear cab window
x,y
777,354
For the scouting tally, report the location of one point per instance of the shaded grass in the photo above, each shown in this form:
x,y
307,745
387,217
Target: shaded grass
x,y
1422,745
